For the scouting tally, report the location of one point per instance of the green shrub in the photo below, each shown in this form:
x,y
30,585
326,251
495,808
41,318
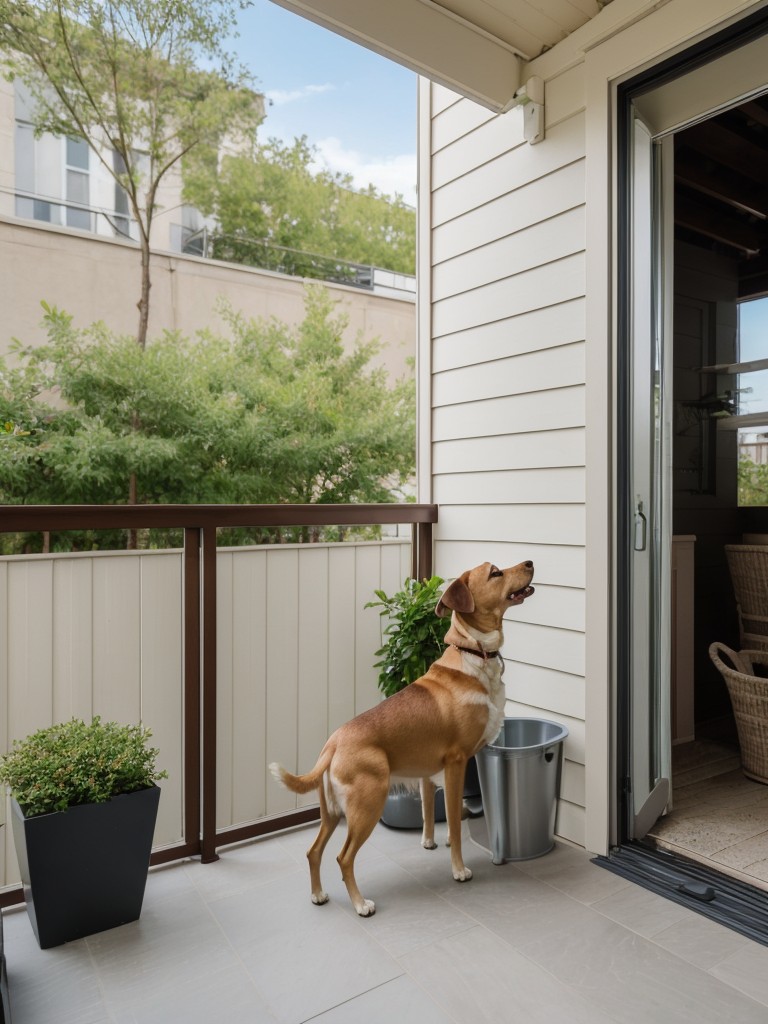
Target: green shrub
x,y
415,634
73,763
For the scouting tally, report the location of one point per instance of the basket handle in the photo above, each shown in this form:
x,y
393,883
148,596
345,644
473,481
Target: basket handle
x,y
716,649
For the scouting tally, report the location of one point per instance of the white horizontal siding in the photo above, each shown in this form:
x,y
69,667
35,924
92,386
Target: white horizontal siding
x,y
549,327
558,565
537,288
526,684
530,204
530,450
534,246
508,383
533,524
556,409
547,369
517,165
512,486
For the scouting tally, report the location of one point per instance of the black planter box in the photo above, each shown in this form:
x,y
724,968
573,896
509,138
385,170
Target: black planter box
x,y
85,869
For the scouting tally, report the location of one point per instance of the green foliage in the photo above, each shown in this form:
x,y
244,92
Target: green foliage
x,y
274,212
125,76
753,483
269,414
73,763
415,634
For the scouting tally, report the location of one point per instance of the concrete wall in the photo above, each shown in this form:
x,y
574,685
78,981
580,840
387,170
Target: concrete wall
x,y
99,279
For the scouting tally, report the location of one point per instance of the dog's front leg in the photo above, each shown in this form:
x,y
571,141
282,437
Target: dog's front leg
x,y
454,791
427,787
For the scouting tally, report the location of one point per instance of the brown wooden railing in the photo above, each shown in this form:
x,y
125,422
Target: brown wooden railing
x,y
199,524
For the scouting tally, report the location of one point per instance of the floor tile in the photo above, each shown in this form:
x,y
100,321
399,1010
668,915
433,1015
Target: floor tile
x,y
633,979
641,911
747,971
700,941
476,978
281,936
46,985
401,1000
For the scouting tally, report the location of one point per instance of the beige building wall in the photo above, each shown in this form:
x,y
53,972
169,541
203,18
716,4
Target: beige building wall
x,y
99,279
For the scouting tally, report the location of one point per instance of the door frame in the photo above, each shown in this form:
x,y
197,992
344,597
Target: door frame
x,y
730,902
733,38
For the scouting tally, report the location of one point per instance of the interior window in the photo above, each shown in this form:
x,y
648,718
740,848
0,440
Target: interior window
x,y
753,402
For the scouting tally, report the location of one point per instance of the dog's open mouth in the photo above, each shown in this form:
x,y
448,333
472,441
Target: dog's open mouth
x,y
520,595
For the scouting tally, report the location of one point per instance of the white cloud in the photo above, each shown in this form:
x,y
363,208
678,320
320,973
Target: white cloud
x,y
282,96
389,174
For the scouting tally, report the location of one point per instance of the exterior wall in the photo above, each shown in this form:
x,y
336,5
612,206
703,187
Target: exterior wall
x,y
507,358
517,341
98,279
101,634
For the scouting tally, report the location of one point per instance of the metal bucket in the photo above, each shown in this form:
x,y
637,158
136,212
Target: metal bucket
x,y
519,780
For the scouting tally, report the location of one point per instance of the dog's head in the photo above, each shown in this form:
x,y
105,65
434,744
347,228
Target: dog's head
x,y
483,594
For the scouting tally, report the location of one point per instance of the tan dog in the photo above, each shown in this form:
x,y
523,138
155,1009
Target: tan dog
x,y
427,731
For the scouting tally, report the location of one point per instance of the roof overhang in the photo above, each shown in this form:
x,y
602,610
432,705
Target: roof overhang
x,y
428,39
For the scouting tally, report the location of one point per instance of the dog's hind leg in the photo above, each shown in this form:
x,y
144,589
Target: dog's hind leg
x,y
363,809
454,790
427,787
328,822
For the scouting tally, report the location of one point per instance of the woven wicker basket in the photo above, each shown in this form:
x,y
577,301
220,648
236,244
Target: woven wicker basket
x,y
748,565
749,699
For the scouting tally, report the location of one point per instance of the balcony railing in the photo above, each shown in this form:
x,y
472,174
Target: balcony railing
x,y
233,656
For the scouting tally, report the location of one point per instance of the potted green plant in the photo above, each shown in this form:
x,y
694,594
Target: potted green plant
x,y
84,806
414,637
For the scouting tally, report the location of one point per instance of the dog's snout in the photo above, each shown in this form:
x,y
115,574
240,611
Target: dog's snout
x,y
528,565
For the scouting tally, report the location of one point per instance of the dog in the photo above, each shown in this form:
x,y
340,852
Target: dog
x,y
426,732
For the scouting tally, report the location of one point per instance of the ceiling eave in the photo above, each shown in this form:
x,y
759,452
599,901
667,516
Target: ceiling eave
x,y
429,40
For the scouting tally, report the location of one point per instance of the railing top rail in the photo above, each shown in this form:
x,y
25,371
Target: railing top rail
x,y
32,518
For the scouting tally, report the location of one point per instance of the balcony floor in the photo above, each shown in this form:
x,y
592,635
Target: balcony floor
x,y
556,938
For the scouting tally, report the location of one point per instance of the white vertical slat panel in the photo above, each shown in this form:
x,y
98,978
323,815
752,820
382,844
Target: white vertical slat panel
x,y
249,686
72,639
117,638
282,671
313,618
367,637
342,617
162,683
30,646
225,642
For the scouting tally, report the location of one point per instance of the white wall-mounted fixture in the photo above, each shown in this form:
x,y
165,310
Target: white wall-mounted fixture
x,y
530,96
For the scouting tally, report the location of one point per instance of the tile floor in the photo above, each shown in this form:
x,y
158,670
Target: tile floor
x,y
553,939
720,817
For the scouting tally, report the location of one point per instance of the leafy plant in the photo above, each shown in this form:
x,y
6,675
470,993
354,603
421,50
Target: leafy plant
x,y
74,763
415,634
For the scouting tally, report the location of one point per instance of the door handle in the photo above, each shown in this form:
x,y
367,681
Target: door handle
x,y
641,527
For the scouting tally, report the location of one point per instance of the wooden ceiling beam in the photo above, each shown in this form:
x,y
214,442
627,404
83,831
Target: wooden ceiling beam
x,y
745,238
721,184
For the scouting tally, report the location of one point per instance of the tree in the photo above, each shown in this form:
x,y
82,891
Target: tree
x,y
753,482
124,76
269,414
274,212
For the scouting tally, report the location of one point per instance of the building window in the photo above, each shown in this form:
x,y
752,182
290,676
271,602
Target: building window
x,y
77,184
121,220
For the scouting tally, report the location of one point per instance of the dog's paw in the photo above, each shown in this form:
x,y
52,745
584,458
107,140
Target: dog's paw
x,y
366,909
462,876
319,898
429,844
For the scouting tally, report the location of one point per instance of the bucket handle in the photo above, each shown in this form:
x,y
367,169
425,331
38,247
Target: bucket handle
x,y
549,754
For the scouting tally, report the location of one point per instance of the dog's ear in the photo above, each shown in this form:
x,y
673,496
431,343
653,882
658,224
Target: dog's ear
x,y
457,598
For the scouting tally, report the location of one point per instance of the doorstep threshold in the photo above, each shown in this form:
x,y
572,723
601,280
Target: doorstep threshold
x,y
727,901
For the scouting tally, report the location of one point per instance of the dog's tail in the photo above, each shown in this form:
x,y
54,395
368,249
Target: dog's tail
x,y
304,783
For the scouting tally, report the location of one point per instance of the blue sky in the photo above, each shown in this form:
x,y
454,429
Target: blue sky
x,y
357,108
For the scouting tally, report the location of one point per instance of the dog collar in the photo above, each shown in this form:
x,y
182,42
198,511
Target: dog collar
x,y
485,655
